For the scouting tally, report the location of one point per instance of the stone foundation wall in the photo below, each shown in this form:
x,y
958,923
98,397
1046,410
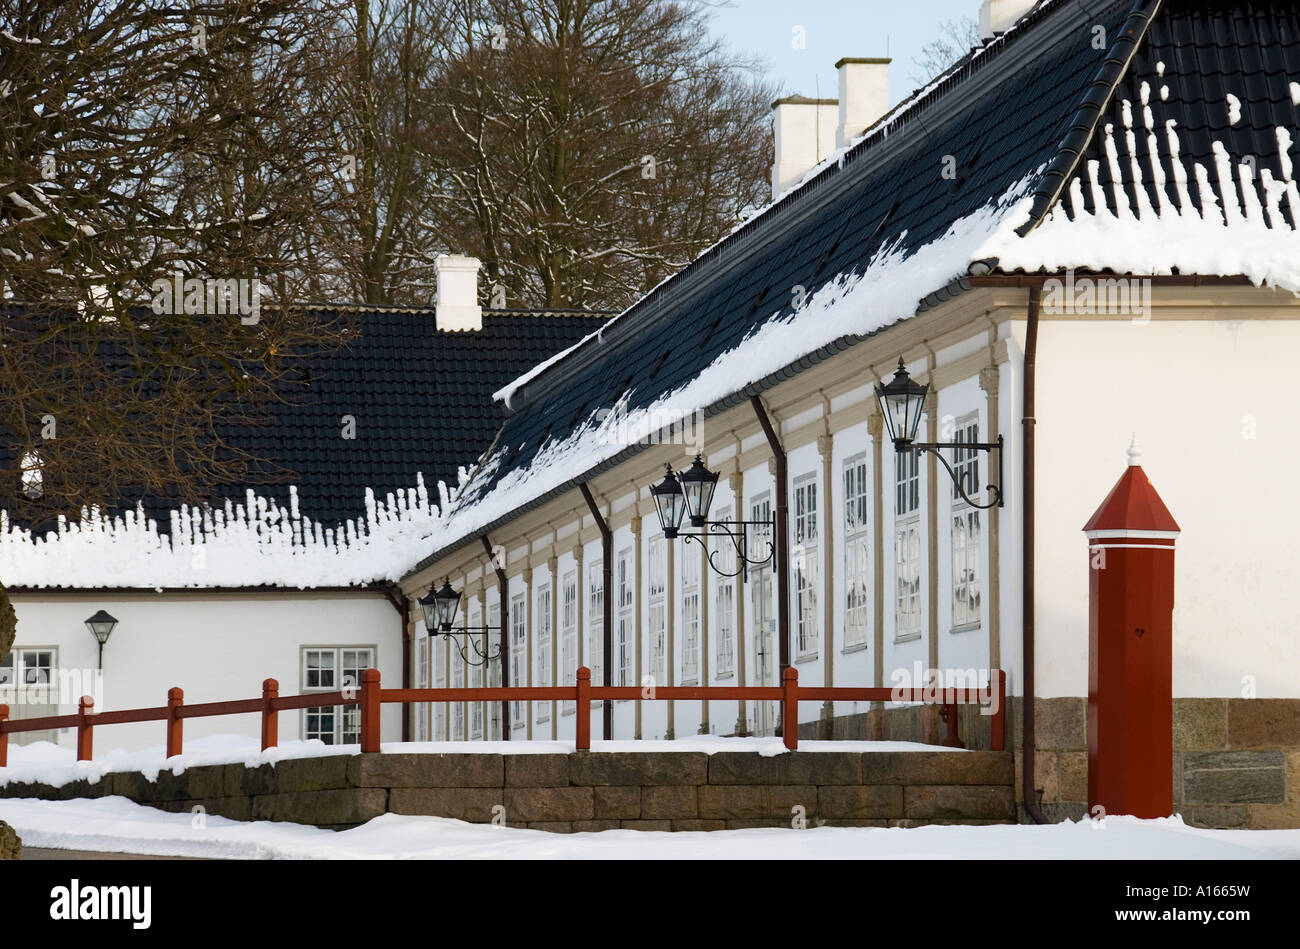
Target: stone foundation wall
x,y
1236,761
588,791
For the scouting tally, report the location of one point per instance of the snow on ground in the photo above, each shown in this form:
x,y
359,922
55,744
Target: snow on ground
x,y
117,825
47,763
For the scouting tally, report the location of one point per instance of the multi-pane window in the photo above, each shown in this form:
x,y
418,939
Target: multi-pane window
x,y
690,615
439,682
568,634
518,661
596,623
28,667
421,711
805,566
966,531
725,607
491,674
327,669
857,548
476,682
907,545
543,647
457,708
623,628
657,568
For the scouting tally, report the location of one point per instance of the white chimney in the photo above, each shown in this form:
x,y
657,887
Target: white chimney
x,y
864,96
457,303
804,130
998,16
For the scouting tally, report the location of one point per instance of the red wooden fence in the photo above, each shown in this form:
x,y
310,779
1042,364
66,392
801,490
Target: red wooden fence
x,y
371,697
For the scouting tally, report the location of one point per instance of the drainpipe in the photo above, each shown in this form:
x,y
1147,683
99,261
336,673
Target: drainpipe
x,y
1027,423
505,645
782,548
400,603
607,610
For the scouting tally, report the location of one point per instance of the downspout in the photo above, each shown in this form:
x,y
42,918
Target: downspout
x,y
782,544
394,595
1027,423
505,645
607,610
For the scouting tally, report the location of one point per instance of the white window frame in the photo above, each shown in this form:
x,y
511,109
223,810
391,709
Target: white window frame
x,y
908,571
439,682
624,631
344,720
805,564
568,634
596,622
490,674
518,658
657,571
691,615
858,542
725,605
421,709
542,620
965,540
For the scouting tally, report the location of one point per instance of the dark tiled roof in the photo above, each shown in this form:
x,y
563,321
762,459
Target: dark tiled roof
x,y
1001,113
421,399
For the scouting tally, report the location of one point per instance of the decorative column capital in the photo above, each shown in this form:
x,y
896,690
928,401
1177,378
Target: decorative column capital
x,y
989,377
636,526
577,554
736,481
824,446
875,425
551,563
527,574
771,467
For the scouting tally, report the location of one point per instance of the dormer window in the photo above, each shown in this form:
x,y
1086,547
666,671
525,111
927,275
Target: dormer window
x,y
32,477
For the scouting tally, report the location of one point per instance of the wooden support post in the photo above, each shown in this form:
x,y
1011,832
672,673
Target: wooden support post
x,y
790,706
583,710
85,738
4,736
270,716
998,727
370,710
175,699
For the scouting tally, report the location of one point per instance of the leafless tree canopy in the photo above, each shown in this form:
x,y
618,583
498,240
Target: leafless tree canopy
x,y
955,39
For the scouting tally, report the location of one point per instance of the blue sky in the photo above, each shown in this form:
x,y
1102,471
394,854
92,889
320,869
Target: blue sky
x,y
833,29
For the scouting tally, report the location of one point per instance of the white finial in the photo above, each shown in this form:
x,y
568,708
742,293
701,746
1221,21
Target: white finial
x,y
1134,452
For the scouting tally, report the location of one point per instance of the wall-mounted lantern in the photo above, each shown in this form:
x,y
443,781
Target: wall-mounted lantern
x,y
101,626
439,608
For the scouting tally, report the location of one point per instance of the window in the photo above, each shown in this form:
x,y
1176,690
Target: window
x,y
725,592
568,634
518,658
491,674
457,708
623,627
328,669
857,550
690,615
658,570
907,545
596,623
966,531
32,478
421,711
805,566
439,682
543,618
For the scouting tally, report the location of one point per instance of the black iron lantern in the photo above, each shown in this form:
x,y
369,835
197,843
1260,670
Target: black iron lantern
x,y
439,608
698,484
101,626
901,402
669,502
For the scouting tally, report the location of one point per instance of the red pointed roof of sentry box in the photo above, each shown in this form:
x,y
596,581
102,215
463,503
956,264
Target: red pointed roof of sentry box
x,y
1132,505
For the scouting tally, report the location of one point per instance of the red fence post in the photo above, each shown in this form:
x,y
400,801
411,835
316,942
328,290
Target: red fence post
x,y
270,717
790,706
999,724
583,709
4,736
175,699
370,710
85,737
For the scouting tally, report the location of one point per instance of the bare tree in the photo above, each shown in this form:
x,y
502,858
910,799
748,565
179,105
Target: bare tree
x,y
159,166
955,39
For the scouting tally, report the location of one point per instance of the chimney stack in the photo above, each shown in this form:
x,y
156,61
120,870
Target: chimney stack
x,y
998,16
864,96
457,299
804,133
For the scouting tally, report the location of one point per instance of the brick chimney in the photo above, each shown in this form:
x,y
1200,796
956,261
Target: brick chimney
x,y
998,16
804,133
864,96
457,302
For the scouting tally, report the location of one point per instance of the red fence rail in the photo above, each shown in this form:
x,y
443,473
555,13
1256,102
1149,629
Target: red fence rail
x,y
371,697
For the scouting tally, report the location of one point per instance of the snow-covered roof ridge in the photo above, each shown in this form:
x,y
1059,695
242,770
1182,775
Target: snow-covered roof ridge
x,y
878,134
